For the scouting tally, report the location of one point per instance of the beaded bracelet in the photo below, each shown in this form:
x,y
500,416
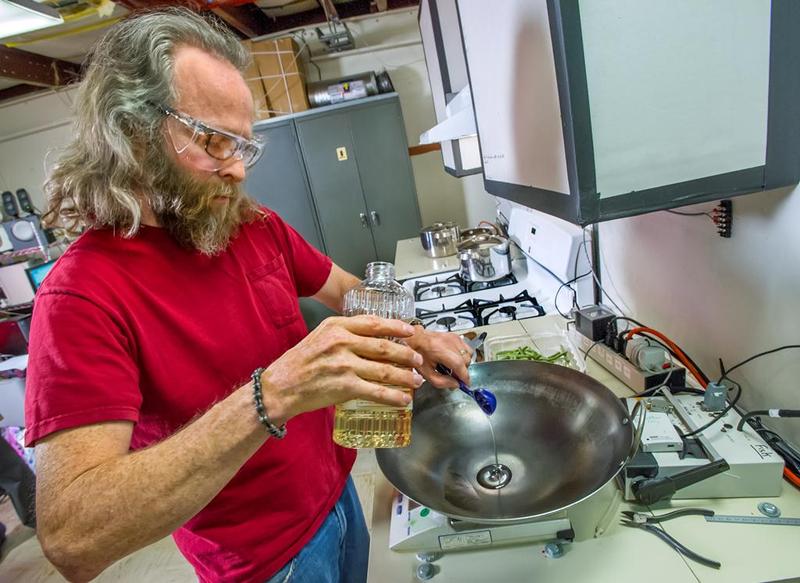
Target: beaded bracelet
x,y
274,430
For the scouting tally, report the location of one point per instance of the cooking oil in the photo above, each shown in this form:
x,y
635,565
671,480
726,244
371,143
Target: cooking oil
x,y
362,423
368,427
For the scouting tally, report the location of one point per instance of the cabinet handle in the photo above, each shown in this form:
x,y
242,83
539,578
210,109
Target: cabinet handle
x,y
363,217
376,219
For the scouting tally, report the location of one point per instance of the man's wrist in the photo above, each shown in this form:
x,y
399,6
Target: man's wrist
x,y
262,413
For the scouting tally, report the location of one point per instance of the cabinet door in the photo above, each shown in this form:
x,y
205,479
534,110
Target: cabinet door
x,y
279,182
330,158
386,174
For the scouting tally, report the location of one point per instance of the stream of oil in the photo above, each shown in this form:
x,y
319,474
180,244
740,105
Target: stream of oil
x,y
496,465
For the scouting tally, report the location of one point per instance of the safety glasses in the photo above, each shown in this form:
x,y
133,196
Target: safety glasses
x,y
221,146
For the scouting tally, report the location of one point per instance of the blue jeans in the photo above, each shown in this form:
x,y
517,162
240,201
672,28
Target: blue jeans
x,y
338,553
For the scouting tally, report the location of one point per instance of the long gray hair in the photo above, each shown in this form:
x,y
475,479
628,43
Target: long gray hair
x,y
99,176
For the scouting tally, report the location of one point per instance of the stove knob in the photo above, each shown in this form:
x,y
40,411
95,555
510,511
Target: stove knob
x,y
425,571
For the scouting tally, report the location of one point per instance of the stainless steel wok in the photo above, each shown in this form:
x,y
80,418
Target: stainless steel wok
x,y
561,436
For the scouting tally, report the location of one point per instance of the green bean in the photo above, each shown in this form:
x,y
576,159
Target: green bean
x,y
528,353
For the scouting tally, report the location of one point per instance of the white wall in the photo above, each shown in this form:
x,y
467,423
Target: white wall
x,y
393,42
30,127
31,130
716,297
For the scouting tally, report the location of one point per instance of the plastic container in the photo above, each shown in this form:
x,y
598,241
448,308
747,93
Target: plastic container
x,y
362,423
545,343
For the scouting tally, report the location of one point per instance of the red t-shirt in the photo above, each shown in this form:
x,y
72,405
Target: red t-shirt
x,y
143,330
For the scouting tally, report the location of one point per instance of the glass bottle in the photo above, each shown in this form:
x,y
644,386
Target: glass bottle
x,y
362,423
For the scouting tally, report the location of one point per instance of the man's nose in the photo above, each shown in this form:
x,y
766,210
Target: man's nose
x,y
234,172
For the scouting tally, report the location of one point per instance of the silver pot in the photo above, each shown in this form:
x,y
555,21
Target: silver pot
x,y
484,258
440,239
561,434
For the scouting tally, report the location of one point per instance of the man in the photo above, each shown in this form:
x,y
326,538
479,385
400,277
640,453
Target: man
x,y
175,314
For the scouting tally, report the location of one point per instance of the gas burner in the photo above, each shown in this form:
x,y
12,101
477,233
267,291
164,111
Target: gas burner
x,y
474,286
462,317
437,291
435,288
521,306
439,286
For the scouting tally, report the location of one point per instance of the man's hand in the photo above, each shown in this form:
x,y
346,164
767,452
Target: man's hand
x,y
445,348
343,359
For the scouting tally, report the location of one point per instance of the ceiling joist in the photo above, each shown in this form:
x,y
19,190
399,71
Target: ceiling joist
x,y
247,19
36,69
344,10
19,91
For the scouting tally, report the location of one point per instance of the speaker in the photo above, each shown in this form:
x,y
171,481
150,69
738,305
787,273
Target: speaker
x,y
25,233
10,208
24,199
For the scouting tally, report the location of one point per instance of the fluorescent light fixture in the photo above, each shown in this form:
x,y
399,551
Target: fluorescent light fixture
x,y
20,16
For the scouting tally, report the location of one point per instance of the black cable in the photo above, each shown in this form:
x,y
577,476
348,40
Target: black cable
x,y
781,413
685,214
752,358
673,390
588,350
574,293
775,441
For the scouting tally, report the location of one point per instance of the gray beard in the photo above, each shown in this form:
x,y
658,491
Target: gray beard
x,y
184,205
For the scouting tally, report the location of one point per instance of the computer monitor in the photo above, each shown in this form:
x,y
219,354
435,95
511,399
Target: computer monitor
x,y
37,273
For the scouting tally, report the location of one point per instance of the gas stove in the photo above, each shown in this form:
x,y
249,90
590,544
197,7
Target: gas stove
x,y
453,284
446,302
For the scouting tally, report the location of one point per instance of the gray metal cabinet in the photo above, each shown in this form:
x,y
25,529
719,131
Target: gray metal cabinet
x,y
279,182
356,157
341,176
386,175
336,188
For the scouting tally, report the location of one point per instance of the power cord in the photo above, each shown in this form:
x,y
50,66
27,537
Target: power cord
x,y
790,456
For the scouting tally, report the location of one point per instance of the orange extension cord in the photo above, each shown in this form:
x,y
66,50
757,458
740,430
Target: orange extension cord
x,y
793,478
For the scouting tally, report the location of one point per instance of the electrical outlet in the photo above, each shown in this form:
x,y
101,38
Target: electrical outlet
x,y
630,374
722,215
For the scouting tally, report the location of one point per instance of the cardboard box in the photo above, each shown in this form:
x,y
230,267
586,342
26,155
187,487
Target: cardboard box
x,y
281,74
253,78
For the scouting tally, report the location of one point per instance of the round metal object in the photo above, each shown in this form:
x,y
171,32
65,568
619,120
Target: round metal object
x,y
429,556
484,258
476,232
494,476
328,91
440,239
560,433
553,550
769,509
425,571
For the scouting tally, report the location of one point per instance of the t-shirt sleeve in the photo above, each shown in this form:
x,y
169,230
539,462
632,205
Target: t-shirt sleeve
x,y
309,266
81,368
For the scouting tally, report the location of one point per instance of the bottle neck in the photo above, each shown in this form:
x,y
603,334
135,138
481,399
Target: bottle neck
x,y
380,271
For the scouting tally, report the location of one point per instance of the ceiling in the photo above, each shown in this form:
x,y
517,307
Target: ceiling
x,y
51,57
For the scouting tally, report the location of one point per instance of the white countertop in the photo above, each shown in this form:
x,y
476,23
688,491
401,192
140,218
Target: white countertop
x,y
747,552
410,260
